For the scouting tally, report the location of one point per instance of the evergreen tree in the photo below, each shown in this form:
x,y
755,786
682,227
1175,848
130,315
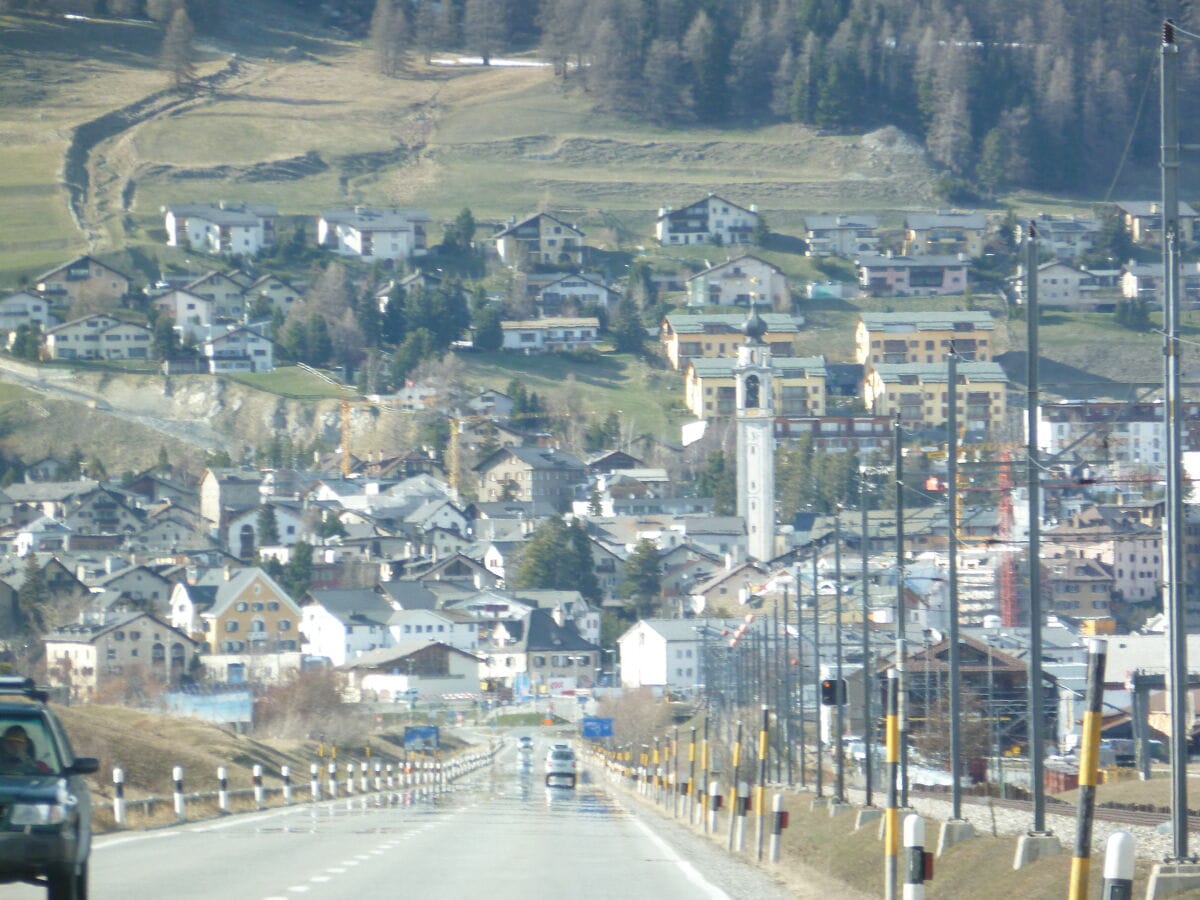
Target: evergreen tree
x,y
719,480
32,596
629,334
704,48
486,26
641,581
668,97
558,556
488,331
296,574
268,526
177,56
389,35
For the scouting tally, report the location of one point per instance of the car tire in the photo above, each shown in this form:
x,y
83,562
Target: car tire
x,y
67,882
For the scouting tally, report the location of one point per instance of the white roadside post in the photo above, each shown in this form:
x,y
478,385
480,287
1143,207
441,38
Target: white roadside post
x,y
314,782
1118,867
915,858
779,821
286,773
743,806
119,797
180,802
714,804
258,786
349,778
222,789
333,788
362,775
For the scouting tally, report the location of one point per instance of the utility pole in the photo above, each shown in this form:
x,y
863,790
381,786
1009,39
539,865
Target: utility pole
x,y
840,709
868,674
786,705
901,685
1036,696
1172,411
952,503
817,673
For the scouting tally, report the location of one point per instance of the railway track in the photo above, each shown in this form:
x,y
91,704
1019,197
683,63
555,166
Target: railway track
x,y
1145,818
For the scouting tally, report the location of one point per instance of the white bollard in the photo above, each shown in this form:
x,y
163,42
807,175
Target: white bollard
x,y
180,802
391,783
119,797
349,778
914,857
778,823
258,786
362,775
1119,857
743,806
286,774
333,787
714,805
314,782
378,777
222,789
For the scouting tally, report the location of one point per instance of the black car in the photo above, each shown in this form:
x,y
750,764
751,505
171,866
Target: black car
x,y
45,809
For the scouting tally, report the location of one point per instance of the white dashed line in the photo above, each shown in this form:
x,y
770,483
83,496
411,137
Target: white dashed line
x,y
320,879
336,870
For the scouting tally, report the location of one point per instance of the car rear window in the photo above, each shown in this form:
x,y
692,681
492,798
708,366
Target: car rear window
x,y
562,755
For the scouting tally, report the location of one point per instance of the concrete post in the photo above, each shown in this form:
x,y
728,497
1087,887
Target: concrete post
x,y
333,784
118,777
258,787
222,789
314,782
180,802
286,773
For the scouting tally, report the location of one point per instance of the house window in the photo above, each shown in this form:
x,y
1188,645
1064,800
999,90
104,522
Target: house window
x,y
241,607
231,626
286,625
539,660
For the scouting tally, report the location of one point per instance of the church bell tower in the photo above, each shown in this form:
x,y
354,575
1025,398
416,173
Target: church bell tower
x,y
755,409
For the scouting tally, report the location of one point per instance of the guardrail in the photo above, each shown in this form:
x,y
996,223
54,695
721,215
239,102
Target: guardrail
x,y
396,783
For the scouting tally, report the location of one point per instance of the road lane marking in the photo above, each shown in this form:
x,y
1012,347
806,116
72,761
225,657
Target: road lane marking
x,y
133,838
689,871
320,879
336,870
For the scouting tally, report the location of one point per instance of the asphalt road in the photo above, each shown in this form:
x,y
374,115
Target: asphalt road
x,y
499,834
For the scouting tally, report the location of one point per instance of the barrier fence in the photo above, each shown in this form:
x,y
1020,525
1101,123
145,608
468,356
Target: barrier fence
x,y
393,783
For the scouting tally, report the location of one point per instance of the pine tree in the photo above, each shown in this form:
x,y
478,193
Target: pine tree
x,y
177,56
268,526
389,35
641,581
485,27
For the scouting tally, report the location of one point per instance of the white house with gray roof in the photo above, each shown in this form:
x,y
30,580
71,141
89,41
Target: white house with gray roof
x,y
844,234
374,234
226,228
669,654
944,233
342,625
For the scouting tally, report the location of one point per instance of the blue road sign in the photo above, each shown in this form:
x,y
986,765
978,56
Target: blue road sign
x,y
597,727
420,737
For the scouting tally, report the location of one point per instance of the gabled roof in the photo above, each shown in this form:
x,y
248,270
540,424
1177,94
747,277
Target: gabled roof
x,y
371,219
86,633
782,366
1144,208
585,276
733,262
726,323
841,220
544,459
945,219
929,321
931,260
543,633
512,228
75,262
360,606
409,594
373,659
685,209
683,629
228,591
250,214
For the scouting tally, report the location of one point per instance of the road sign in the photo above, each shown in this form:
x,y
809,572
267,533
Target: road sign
x,y
597,727
421,737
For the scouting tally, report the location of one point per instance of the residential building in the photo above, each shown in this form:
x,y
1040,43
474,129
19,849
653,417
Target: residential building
x,y
97,337
224,228
1079,587
1131,549
1144,281
713,220
540,239
913,276
448,626
798,386
1143,221
717,336
944,233
414,670
740,282
1065,286
280,294
343,624
83,658
1067,237
374,234
575,294
850,234
251,614
672,654
864,435
223,490
1128,435
552,334
236,349
923,337
24,308
917,392
84,277
536,474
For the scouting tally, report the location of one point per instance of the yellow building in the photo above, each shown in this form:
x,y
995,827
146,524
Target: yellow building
x,y
716,336
798,384
923,337
919,393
